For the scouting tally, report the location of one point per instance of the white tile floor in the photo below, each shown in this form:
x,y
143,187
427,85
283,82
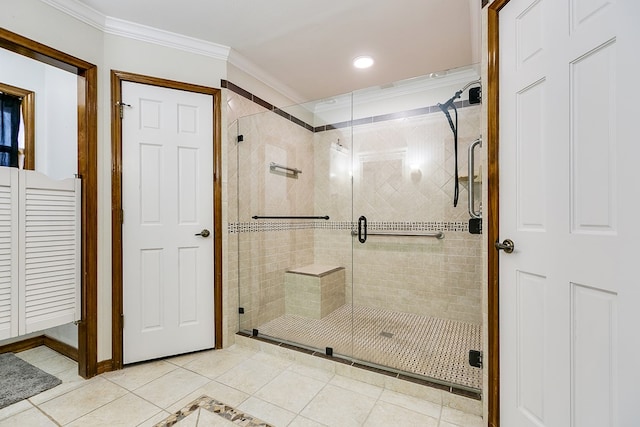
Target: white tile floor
x,y
283,389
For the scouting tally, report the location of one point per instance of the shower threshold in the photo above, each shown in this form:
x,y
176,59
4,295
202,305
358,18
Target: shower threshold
x,y
413,347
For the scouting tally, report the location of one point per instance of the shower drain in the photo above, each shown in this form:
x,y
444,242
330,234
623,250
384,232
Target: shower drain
x,y
386,334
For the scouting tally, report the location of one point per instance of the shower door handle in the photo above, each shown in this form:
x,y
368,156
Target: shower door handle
x,y
472,209
362,221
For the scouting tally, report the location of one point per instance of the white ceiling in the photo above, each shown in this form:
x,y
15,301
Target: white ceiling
x,y
307,45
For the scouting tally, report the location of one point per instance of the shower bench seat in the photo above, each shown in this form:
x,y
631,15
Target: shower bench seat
x,y
314,290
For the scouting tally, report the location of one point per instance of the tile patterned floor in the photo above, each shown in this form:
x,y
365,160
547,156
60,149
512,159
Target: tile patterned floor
x,y
423,345
280,389
206,403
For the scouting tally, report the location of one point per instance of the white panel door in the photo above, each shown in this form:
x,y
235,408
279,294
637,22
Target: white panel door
x,y
167,198
569,198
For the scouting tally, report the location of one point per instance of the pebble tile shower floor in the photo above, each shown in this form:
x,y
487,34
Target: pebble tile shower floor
x,y
423,345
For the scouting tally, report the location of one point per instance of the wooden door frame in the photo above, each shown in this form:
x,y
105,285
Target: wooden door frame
x,y
28,108
87,169
493,211
117,77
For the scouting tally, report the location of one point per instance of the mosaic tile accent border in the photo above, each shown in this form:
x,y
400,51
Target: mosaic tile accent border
x,y
225,84
261,226
426,226
227,412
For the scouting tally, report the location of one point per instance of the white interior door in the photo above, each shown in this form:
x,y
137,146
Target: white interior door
x,y
569,293
167,198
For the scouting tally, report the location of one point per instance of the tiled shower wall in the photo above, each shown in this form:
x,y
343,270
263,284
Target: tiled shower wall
x,y
403,179
266,250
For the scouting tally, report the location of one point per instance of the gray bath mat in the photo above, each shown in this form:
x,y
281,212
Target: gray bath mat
x,y
20,380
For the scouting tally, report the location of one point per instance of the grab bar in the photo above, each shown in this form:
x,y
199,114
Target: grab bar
x,y
437,235
291,217
472,208
290,171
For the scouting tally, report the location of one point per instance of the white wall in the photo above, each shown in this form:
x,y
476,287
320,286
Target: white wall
x,y
42,23
55,107
47,25
57,157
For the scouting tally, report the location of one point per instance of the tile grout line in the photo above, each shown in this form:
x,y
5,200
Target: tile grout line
x,y
133,393
278,362
299,413
47,415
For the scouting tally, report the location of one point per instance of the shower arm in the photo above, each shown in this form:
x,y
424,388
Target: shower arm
x,y
468,85
449,103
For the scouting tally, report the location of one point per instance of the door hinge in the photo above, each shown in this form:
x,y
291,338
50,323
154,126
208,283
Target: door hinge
x,y
475,358
121,105
122,321
121,216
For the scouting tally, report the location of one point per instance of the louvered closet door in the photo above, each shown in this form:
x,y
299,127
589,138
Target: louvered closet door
x,y
49,258
8,252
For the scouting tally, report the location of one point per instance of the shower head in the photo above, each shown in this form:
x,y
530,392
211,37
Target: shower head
x,y
337,146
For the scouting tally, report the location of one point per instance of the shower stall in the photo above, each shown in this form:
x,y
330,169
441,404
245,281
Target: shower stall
x,y
348,242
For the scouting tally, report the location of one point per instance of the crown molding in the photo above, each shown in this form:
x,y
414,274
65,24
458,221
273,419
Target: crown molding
x,y
80,11
244,64
132,30
455,77
408,87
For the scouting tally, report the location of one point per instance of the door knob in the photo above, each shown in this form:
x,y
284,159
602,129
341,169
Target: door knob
x,y
507,246
204,233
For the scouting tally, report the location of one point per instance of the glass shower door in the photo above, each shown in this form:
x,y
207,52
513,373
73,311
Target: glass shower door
x,y
416,269
293,223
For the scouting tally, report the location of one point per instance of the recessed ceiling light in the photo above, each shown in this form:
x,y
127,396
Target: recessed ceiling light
x,y
363,62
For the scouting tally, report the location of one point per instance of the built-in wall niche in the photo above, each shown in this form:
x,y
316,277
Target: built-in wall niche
x,y
53,94
50,94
